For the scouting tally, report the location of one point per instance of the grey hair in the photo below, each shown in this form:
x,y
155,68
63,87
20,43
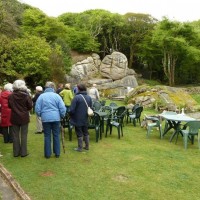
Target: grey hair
x,y
50,84
8,87
19,85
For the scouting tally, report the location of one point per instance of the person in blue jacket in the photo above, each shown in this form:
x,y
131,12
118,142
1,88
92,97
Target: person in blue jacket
x,y
79,116
51,108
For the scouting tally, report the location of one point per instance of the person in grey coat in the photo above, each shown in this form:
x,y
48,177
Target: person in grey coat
x,y
79,116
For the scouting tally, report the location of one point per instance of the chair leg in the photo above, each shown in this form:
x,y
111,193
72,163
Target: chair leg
x,y
122,131
97,134
107,127
192,139
110,129
185,138
161,133
118,129
148,131
199,140
134,122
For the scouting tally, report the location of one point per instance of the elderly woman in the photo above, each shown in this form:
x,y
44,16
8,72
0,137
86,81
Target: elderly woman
x,y
6,113
79,116
20,103
67,96
51,108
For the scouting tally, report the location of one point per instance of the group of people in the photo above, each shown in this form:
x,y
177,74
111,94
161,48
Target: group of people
x,y
50,106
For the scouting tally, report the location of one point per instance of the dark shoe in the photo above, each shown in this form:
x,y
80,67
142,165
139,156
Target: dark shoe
x,y
38,132
47,157
25,155
86,148
78,149
57,156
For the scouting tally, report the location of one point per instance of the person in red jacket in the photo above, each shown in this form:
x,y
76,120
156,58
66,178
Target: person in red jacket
x,y
6,113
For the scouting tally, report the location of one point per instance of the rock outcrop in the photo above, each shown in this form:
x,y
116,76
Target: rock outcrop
x,y
112,75
162,98
115,66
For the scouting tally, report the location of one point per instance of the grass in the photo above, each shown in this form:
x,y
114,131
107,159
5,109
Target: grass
x,y
196,97
133,167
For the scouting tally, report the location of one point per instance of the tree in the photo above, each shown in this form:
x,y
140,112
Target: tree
x,y
27,57
175,39
137,27
10,17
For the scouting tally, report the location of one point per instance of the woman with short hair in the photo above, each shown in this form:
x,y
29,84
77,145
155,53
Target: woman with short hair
x,y
51,108
20,103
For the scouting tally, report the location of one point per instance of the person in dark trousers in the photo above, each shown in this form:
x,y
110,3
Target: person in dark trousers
x,y
79,116
39,91
20,103
51,108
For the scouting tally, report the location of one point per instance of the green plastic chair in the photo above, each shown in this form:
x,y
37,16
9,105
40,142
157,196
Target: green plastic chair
x,y
136,116
189,130
97,106
65,123
155,123
116,120
95,123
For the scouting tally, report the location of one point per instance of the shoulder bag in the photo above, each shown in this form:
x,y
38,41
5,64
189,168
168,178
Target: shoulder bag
x,y
89,110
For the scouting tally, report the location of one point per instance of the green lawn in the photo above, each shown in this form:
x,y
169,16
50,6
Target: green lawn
x,y
130,168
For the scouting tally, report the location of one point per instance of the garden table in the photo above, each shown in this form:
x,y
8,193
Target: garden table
x,y
174,122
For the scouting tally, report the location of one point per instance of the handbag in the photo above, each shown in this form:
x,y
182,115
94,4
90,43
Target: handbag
x,y
90,112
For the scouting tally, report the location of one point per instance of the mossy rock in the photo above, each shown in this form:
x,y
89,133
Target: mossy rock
x,y
165,97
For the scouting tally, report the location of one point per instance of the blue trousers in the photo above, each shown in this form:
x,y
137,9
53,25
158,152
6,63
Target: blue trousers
x,y
51,129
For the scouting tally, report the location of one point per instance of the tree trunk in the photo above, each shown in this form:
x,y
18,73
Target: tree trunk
x,y
169,64
130,58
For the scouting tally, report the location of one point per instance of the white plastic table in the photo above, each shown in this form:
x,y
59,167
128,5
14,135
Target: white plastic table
x,y
174,122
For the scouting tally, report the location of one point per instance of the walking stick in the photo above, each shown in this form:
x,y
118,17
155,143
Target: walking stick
x,y
63,137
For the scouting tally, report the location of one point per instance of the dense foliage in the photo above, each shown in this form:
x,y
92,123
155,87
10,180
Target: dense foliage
x,y
36,47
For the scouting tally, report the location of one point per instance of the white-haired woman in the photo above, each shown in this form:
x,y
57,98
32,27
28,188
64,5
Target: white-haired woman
x,y
20,103
6,113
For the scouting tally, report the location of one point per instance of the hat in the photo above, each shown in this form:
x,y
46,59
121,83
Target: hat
x,y
39,88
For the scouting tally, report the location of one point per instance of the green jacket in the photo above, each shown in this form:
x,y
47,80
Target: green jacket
x,y
67,96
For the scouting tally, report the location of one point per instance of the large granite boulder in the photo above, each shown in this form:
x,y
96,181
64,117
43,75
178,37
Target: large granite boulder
x,y
112,75
115,66
86,68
